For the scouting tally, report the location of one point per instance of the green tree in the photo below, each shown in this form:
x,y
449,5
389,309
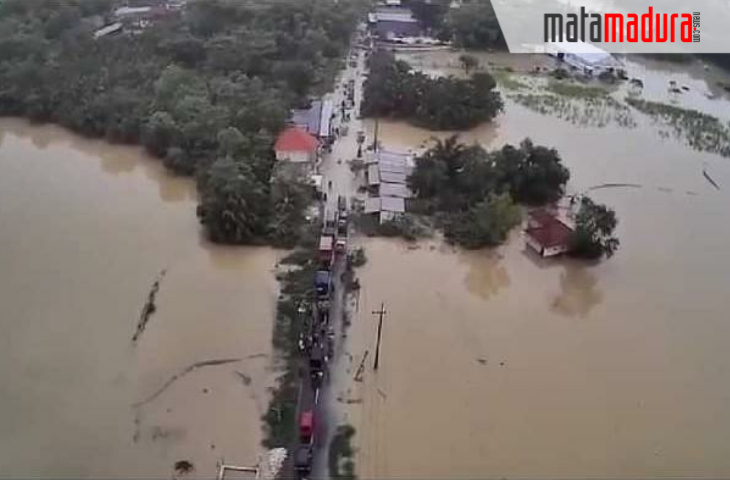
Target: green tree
x,y
475,25
393,90
486,224
160,133
593,236
468,62
533,174
290,200
231,142
234,205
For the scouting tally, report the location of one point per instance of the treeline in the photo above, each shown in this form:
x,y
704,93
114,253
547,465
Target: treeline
x,y
475,194
208,88
474,25
393,89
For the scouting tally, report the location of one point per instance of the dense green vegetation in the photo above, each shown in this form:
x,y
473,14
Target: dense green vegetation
x,y
474,25
476,191
208,88
701,131
486,224
296,291
341,452
593,237
394,90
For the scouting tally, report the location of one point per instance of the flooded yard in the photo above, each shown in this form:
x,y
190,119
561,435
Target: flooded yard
x,y
85,230
497,363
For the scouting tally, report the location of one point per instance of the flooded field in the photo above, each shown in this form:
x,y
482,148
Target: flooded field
x,y
497,363
85,230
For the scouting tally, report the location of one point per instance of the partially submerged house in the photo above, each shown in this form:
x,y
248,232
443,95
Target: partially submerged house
x,y
583,56
387,179
547,235
296,152
388,172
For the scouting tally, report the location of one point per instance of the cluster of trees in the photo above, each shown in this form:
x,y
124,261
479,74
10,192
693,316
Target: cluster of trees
x,y
206,91
477,192
392,89
474,25
593,237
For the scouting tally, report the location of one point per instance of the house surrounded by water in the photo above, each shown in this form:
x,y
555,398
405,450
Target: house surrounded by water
x,y
546,234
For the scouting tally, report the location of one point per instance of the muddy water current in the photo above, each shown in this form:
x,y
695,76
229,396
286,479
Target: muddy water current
x,y
498,363
85,230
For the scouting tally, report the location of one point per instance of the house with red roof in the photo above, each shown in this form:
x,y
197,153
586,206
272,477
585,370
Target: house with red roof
x,y
547,234
296,147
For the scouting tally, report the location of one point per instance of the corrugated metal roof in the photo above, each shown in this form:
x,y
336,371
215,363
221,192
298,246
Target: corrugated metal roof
x,y
392,204
295,140
392,177
325,121
399,17
373,175
388,156
395,190
308,119
385,204
372,205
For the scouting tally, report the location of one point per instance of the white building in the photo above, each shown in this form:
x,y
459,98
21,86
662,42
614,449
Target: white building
x,y
584,56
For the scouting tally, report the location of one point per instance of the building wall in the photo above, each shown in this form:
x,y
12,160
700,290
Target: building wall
x,y
545,252
553,251
295,157
387,29
532,243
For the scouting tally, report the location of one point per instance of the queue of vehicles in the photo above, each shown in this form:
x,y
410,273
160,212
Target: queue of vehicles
x,y
317,341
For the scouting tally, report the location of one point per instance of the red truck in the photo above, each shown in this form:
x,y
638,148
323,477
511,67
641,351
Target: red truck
x,y
306,427
326,250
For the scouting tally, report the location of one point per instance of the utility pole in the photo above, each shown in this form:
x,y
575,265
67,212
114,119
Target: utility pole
x,y
381,313
375,137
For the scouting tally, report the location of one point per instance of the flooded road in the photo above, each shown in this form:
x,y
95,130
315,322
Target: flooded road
x,y
85,229
500,364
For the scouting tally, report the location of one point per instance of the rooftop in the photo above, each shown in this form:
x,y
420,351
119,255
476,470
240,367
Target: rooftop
x,y
551,234
399,16
296,140
385,204
586,52
308,119
395,190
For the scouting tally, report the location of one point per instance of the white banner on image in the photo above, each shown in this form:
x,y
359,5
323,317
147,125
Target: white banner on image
x,y
617,26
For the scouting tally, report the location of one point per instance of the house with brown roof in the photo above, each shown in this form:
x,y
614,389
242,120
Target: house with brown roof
x,y
547,235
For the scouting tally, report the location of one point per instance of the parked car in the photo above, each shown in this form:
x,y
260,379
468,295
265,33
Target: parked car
x,y
323,283
303,459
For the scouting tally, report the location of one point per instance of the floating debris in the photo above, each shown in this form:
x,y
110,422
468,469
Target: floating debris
x,y
615,185
244,378
184,467
709,179
174,378
149,307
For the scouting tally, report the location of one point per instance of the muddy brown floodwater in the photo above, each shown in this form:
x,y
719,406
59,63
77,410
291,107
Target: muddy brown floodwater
x,y
85,229
498,364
